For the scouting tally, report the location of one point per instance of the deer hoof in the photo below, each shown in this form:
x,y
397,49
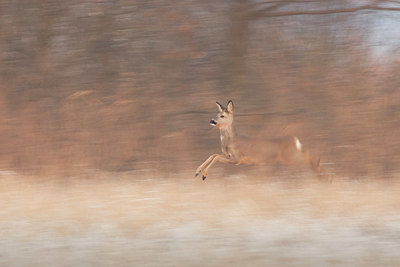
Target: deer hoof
x,y
204,177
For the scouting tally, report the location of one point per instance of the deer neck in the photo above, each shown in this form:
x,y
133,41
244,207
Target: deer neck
x,y
227,135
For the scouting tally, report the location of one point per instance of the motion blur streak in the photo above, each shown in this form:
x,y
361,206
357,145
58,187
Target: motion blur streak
x,y
134,218
104,118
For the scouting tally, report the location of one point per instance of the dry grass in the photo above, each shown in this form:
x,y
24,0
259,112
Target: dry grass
x,y
147,218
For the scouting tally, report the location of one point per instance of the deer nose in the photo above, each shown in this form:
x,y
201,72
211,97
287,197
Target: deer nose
x,y
213,122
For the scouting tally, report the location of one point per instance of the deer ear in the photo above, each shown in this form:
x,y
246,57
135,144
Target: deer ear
x,y
221,107
229,106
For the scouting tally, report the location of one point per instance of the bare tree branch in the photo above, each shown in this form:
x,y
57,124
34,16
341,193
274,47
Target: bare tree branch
x,y
270,8
325,12
389,1
279,3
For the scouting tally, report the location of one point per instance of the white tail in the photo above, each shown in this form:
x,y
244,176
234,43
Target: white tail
x,y
242,150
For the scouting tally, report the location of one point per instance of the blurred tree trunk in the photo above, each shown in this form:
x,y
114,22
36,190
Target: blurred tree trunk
x,y
237,45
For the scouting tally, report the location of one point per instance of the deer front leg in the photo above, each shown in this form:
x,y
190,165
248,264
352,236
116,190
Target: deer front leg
x,y
204,164
218,158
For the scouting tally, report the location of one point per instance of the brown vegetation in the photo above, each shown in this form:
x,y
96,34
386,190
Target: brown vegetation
x,y
107,104
127,85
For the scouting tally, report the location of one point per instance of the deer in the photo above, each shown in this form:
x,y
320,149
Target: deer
x,y
285,150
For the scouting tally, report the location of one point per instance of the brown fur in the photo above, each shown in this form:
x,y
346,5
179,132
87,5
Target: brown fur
x,y
237,150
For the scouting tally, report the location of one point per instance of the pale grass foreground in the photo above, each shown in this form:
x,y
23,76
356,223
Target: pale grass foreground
x,y
151,219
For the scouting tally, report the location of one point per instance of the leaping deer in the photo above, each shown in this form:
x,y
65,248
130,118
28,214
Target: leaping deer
x,y
236,149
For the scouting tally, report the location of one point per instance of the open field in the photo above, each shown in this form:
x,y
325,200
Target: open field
x,y
144,218
104,117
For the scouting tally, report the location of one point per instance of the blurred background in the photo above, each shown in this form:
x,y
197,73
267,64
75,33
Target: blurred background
x,y
104,117
121,85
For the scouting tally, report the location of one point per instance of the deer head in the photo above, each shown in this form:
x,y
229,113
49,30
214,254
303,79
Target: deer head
x,y
224,118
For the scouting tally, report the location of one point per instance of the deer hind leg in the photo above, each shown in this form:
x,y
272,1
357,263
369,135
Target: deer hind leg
x,y
307,157
217,158
312,160
204,164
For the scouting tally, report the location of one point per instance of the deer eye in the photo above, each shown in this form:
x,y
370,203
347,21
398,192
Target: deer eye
x,y
222,116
